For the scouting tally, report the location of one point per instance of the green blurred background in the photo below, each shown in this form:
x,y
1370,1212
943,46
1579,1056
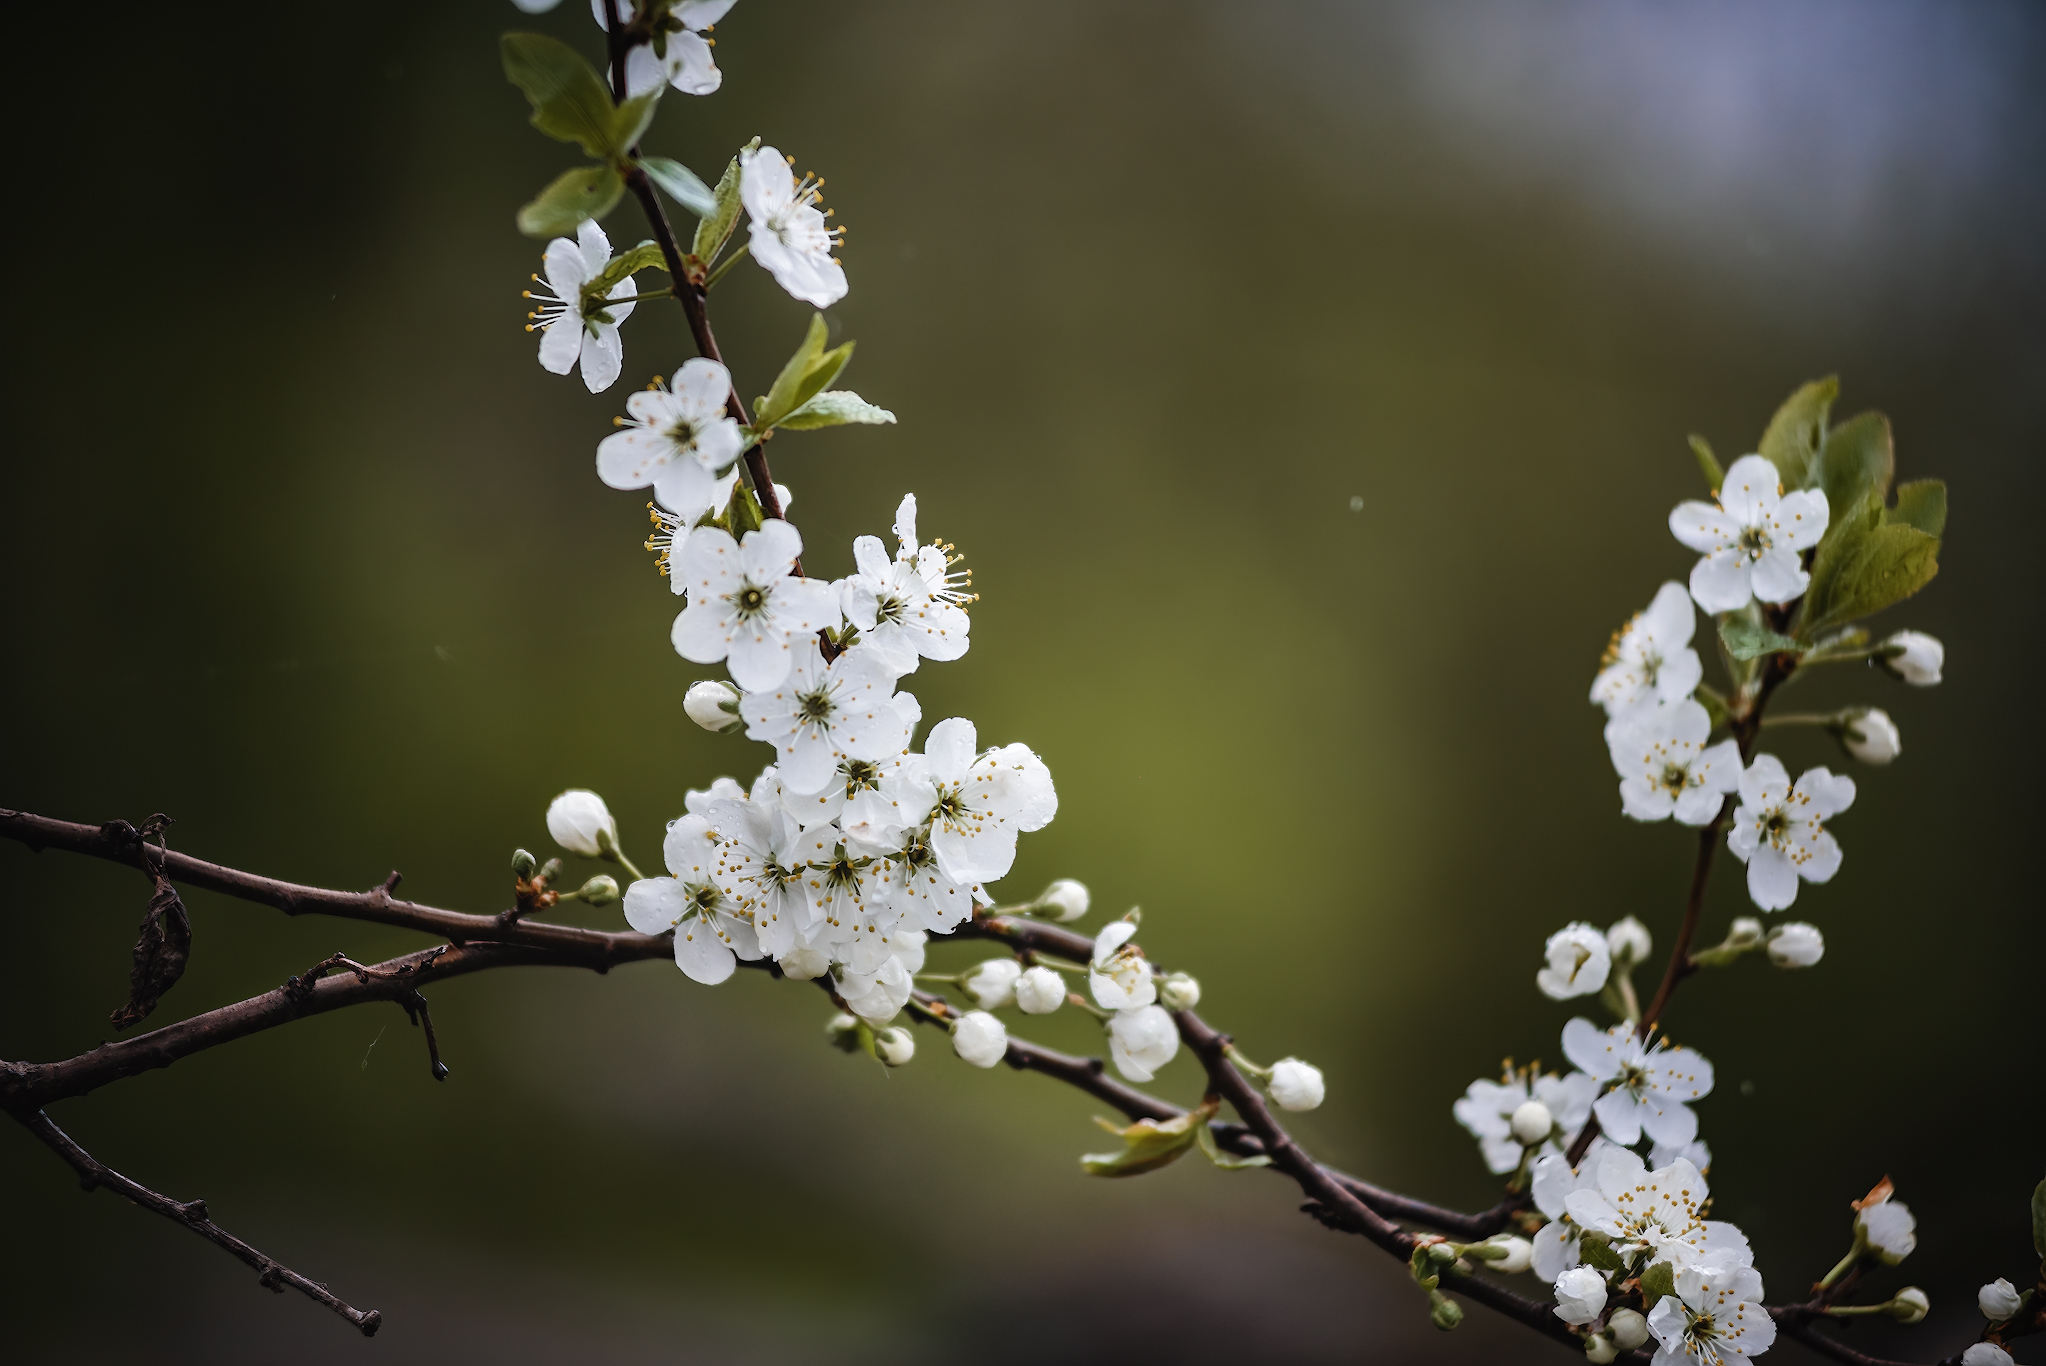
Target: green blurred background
x,y
305,550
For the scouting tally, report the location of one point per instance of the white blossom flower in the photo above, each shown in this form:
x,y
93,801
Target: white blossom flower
x,y
1873,738
894,1046
1918,660
978,803
1296,1085
1778,830
1650,662
857,924
1716,1318
1066,900
1998,1300
822,714
911,878
679,54
680,441
906,607
765,871
1751,541
1666,768
1887,1224
872,800
1040,991
1141,1041
711,930
1556,1243
1986,1354
579,822
1652,1087
567,333
1119,976
1179,991
992,984
1628,941
1531,1123
980,1038
712,704
1656,1214
1486,1109
1579,962
876,996
745,605
1796,945
788,234
1580,1295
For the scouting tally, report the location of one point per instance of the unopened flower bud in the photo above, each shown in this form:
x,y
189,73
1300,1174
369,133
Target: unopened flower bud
x,y
992,985
1796,945
804,964
712,704
1064,900
1998,1300
1871,737
1532,1123
1914,657
1040,991
894,1046
979,1038
1296,1085
1986,1354
1519,1254
1444,1312
1629,942
1629,1330
1179,992
551,869
524,865
1746,933
1599,1349
598,891
1578,962
581,823
844,1032
1909,1305
1442,1252
1580,1295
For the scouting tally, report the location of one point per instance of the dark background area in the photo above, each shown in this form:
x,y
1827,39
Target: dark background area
x,y
305,550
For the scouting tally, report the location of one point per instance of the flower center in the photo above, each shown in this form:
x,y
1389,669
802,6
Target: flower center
x,y
861,775
1754,540
683,433
817,708
890,611
1675,777
749,600
1776,828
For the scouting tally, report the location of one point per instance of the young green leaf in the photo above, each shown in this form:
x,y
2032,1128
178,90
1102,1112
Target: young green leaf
x,y
1746,638
631,118
834,408
1205,1135
585,192
1856,465
743,513
680,184
1798,432
805,376
1657,1282
1922,503
1599,1253
641,257
570,101
1708,463
1148,1144
1874,567
716,228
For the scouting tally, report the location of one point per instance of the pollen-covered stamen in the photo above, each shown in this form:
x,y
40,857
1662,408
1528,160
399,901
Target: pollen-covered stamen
x,y
669,533
700,912
861,775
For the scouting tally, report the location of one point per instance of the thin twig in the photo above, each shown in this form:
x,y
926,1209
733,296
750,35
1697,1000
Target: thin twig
x,y
192,1214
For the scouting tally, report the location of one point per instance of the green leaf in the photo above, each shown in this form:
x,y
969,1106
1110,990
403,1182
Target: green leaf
x,y
630,119
625,263
1922,503
570,101
1599,1253
1148,1144
714,230
834,408
1856,465
680,184
743,513
1746,638
805,375
1874,566
558,210
1204,1134
1708,463
1798,432
2039,1221
1659,1280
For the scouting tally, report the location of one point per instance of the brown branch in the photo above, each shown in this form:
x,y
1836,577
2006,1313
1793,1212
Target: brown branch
x,y
1796,1321
272,1274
